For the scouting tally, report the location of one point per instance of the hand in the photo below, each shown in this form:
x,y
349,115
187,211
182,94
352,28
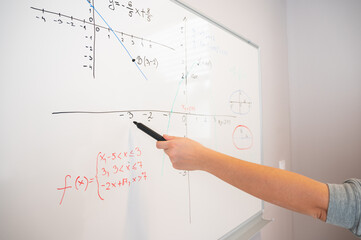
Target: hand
x,y
286,189
184,153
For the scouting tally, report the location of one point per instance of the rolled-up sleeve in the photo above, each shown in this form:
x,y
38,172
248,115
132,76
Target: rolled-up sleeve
x,y
344,208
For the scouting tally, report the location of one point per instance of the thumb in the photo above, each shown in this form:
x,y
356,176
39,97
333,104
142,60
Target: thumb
x,y
164,144
167,137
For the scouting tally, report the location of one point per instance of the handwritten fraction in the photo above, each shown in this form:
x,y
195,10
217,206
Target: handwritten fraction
x,y
121,170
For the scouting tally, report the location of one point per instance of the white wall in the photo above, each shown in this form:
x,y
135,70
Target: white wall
x,y
324,39
264,22
324,60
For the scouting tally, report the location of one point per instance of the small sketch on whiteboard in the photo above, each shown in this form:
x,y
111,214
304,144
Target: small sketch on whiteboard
x,y
240,103
242,137
88,23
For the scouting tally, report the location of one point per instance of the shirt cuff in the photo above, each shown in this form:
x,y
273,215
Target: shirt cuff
x,y
343,208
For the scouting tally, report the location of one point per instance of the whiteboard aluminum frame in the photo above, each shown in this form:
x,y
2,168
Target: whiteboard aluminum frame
x,y
254,224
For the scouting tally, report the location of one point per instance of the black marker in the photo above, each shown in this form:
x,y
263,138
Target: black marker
x,y
149,131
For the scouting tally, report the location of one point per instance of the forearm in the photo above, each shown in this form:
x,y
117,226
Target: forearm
x,y
283,188
280,187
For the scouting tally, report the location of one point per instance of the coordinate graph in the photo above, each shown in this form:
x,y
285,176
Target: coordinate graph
x,y
124,169
115,34
121,170
123,38
89,69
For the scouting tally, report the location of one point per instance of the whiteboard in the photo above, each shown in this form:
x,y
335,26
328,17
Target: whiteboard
x,y
75,75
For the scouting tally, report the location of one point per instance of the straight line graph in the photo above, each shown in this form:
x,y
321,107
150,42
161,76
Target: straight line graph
x,y
110,29
189,95
125,114
101,27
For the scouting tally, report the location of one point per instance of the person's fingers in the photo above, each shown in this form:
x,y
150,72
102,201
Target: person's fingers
x,y
162,144
167,137
165,144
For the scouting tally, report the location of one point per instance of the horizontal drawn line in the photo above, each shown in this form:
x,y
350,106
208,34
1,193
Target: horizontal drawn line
x,y
100,26
130,111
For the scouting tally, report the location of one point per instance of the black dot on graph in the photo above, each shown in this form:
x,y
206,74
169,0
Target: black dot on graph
x,y
133,60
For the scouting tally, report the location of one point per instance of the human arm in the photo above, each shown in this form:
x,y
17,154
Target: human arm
x,y
280,187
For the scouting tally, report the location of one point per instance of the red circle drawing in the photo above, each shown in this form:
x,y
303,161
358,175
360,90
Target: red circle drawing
x,y
242,137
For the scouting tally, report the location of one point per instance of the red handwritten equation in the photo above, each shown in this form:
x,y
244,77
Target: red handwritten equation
x,y
115,170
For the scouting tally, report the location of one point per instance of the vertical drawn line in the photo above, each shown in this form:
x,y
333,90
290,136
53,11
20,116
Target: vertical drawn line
x,y
185,53
186,121
186,69
65,187
176,95
94,29
169,117
184,78
189,198
111,29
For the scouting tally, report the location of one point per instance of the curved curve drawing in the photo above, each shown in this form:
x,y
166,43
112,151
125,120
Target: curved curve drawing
x,y
242,137
240,103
